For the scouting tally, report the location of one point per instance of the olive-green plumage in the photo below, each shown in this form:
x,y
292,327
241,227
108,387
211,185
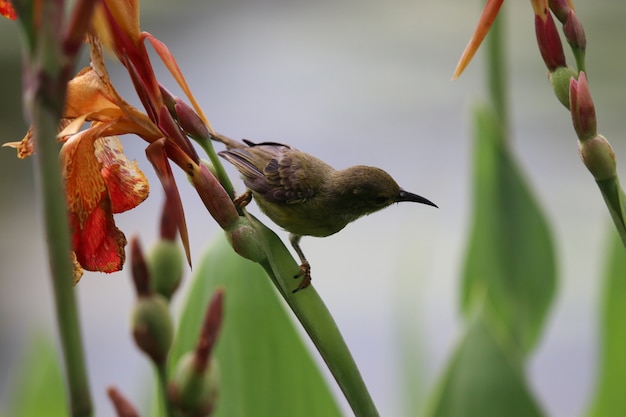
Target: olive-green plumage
x,y
306,196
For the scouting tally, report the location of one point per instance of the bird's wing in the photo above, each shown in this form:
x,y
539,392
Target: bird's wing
x,y
273,170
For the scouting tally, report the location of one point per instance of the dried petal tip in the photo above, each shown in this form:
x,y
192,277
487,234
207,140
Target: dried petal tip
x,y
582,108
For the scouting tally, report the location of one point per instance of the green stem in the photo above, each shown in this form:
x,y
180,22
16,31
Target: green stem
x,y
162,381
45,122
47,72
222,176
496,77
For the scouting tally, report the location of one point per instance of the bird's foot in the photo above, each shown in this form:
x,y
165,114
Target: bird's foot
x,y
305,272
243,200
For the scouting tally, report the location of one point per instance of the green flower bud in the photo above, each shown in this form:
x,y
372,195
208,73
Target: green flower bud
x,y
152,326
194,391
165,263
560,81
599,157
246,241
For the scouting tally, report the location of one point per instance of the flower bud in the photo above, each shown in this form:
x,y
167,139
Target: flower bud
x,y
191,392
165,263
152,326
190,122
582,108
245,240
560,8
574,32
214,197
599,157
549,42
123,407
560,81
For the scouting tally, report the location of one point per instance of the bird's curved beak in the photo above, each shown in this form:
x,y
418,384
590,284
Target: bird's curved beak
x,y
407,196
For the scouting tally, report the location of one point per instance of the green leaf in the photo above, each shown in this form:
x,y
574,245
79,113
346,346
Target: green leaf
x,y
609,397
265,368
39,390
483,379
510,267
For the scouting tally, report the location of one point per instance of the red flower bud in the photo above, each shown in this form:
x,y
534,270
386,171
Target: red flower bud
x,y
574,32
549,42
582,108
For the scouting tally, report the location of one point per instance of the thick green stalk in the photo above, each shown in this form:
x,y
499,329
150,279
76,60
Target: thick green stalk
x,y
161,370
47,73
45,122
495,76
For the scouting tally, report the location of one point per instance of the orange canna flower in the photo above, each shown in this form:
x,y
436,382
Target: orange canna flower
x,y
99,179
7,10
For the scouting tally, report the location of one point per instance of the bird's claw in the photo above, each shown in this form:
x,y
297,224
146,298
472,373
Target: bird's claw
x,y
305,272
243,200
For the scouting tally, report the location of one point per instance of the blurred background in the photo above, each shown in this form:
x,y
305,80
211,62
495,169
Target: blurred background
x,y
352,82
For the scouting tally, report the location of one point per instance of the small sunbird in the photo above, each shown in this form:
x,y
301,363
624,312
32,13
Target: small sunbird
x,y
306,196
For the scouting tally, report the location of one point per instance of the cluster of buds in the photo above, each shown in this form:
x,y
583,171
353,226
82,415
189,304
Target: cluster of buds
x,y
595,151
550,45
570,86
193,387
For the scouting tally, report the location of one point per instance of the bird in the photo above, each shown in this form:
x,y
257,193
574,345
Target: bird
x,y
306,196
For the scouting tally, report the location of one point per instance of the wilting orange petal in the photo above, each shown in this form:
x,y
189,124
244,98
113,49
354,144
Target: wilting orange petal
x,y
168,59
490,11
7,10
87,93
84,186
26,147
99,180
78,270
126,183
97,243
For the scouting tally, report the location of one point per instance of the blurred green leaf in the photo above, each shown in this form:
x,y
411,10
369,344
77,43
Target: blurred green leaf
x,y
510,262
40,390
265,368
483,379
609,397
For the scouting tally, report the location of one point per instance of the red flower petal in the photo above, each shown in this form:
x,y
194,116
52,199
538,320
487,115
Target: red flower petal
x,y
98,244
126,183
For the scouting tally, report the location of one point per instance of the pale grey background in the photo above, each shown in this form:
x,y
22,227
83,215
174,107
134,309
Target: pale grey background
x,y
353,82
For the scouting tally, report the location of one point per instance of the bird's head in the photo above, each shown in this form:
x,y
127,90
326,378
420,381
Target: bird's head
x,y
365,190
